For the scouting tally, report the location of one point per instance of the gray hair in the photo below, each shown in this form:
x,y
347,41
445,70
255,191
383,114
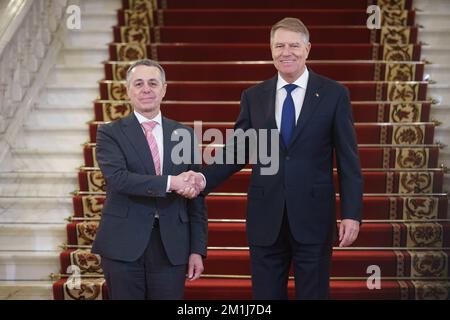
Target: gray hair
x,y
148,63
291,24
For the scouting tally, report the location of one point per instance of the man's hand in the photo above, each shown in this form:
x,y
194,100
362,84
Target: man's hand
x,y
348,232
188,184
195,267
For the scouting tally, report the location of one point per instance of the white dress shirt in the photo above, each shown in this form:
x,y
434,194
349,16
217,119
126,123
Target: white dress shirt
x,y
298,95
158,134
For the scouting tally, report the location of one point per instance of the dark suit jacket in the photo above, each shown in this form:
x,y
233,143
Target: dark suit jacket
x,y
304,182
134,194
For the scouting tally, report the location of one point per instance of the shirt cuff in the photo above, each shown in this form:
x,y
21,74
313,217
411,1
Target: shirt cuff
x,y
168,184
204,179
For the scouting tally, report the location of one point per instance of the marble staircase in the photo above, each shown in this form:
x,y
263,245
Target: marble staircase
x,y
434,17
39,174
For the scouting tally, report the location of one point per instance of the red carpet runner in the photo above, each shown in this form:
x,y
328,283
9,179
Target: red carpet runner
x,y
199,42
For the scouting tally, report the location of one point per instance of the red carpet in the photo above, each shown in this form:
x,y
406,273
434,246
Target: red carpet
x,y
228,111
255,71
259,34
237,263
212,50
259,51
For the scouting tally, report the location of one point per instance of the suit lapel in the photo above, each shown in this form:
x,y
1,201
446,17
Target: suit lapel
x,y
136,137
168,127
312,98
267,99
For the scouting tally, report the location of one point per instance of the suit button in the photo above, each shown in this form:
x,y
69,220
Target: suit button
x,y
288,158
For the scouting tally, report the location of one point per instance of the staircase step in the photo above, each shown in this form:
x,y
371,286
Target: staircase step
x,y
247,34
240,289
256,16
68,95
434,36
343,70
381,157
245,51
100,6
232,90
63,138
28,265
45,160
366,133
228,111
37,184
88,37
26,290
436,54
433,6
347,263
258,4
438,72
83,55
375,234
45,115
105,18
438,91
388,207
28,210
377,181
42,237
372,234
434,19
353,262
76,75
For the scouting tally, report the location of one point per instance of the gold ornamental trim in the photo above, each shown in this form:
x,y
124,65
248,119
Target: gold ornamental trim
x,y
412,158
404,290
400,263
389,182
89,290
420,208
380,114
405,112
394,35
392,208
397,235
392,5
398,52
425,234
429,263
386,158
396,17
436,290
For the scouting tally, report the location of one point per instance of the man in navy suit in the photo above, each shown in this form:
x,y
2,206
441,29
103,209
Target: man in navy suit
x,y
291,214
149,236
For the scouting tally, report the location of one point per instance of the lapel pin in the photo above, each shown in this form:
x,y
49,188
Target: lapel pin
x,y
317,94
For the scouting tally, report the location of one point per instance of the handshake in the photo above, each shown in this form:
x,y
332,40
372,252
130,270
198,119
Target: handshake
x,y
188,184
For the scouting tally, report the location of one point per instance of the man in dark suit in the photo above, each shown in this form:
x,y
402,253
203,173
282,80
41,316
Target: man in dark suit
x,y
291,214
149,236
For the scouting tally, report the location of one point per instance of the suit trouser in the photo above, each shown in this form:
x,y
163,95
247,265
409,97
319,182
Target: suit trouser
x,y
151,277
271,264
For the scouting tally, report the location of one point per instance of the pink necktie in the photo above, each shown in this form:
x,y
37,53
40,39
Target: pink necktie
x,y
148,128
